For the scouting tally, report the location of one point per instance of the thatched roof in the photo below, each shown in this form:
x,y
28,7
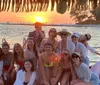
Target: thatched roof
x,y
42,5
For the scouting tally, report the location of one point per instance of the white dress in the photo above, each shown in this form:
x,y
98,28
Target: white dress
x,y
20,78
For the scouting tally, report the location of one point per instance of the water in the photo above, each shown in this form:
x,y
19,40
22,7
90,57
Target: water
x,y
16,33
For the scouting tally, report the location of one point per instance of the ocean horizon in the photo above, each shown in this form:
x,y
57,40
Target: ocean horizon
x,y
49,24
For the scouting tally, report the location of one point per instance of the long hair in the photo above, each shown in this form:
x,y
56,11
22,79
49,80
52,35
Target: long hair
x,y
5,44
34,48
1,53
51,30
15,53
31,61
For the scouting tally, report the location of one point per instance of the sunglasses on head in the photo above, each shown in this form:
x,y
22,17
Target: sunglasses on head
x,y
74,56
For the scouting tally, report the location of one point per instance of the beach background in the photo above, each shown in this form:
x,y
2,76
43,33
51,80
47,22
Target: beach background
x,y
16,33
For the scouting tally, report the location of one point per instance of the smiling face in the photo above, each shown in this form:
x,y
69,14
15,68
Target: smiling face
x,y
53,32
82,38
75,59
5,49
30,43
48,48
27,66
74,39
63,36
17,48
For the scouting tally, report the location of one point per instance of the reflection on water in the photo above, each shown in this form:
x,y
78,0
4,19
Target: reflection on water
x,y
16,33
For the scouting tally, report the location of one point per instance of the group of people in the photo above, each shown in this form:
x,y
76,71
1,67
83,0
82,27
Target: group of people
x,y
46,61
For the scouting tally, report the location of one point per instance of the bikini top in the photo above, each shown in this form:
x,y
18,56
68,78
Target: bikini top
x,y
49,65
52,60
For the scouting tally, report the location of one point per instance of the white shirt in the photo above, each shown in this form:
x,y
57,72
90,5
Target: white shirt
x,y
69,46
82,49
20,78
91,49
83,72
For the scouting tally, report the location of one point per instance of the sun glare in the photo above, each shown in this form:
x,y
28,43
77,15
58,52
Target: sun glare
x,y
33,19
39,19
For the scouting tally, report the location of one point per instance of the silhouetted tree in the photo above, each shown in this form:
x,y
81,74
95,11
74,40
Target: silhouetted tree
x,y
96,13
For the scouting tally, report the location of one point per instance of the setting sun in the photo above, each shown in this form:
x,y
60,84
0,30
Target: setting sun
x,y
39,19
35,17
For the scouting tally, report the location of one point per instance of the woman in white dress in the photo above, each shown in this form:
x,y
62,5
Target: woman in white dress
x,y
27,75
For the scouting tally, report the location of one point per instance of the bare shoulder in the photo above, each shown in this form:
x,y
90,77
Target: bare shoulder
x,y
41,55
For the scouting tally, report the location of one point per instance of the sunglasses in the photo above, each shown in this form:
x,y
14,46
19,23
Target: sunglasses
x,y
74,56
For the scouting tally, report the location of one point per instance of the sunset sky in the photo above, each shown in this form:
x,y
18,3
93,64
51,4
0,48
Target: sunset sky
x,y
31,17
